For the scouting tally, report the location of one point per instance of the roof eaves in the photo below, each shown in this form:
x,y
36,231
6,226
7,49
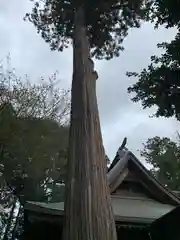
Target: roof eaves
x,y
134,219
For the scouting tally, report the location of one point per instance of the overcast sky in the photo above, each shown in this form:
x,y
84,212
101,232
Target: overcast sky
x,y
119,116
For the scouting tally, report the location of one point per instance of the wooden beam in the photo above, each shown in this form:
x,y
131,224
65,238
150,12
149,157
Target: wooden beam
x,y
114,185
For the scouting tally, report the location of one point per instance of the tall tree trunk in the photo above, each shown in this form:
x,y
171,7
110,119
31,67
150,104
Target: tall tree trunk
x,y
16,223
8,226
88,211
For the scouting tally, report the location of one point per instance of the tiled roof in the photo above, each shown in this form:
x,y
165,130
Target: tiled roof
x,y
125,209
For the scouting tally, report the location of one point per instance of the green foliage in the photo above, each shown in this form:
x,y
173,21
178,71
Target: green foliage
x,y
164,13
164,155
33,142
32,153
40,100
159,84
57,194
32,137
107,22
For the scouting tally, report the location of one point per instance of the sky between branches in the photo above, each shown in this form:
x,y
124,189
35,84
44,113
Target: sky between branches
x,y
119,116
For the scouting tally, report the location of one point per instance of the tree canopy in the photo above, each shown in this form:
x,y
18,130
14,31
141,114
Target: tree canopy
x,y
158,84
106,30
32,118
33,145
32,153
164,13
164,156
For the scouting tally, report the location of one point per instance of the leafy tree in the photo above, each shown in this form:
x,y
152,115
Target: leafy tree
x,y
33,142
32,154
31,117
60,23
40,100
158,84
55,21
164,156
57,193
164,13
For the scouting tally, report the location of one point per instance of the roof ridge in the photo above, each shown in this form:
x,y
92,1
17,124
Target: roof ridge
x,y
117,168
121,161
155,180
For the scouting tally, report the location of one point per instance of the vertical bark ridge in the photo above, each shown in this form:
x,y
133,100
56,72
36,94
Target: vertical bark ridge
x,y
88,211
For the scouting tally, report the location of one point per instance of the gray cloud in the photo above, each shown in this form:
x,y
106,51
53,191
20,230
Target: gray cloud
x,y
119,116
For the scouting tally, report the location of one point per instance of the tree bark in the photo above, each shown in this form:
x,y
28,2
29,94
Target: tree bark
x,y
88,210
16,223
8,226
